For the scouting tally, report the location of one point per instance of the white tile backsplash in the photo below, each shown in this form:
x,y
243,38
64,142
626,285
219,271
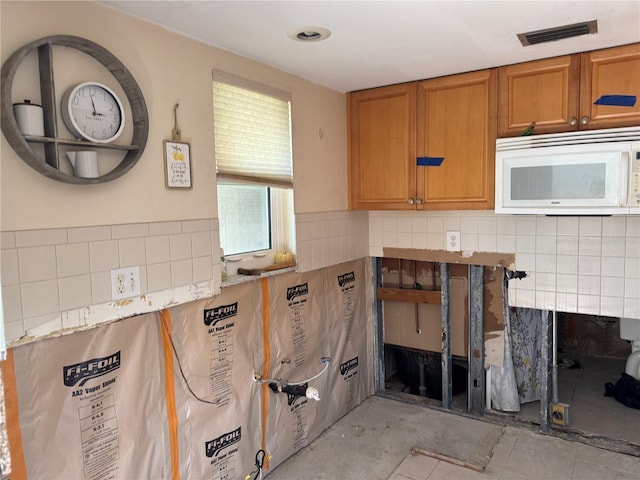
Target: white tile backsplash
x,y
589,265
525,225
419,225
612,286
46,284
89,234
131,230
75,292
506,224
132,252
633,225
37,263
468,225
546,225
525,244
436,225
590,246
613,246
104,255
614,226
72,259
590,226
579,264
567,244
567,226
612,266
487,225
40,298
9,267
38,238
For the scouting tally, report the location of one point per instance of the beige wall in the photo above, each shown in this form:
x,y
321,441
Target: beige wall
x,y
169,69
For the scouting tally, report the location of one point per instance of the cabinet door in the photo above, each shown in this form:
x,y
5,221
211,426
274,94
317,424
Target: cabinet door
x,y
614,71
545,92
382,155
457,122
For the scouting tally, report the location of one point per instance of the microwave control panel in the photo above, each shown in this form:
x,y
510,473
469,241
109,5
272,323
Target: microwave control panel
x,y
634,180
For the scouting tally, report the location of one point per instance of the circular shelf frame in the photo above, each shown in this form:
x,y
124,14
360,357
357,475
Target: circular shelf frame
x,y
49,166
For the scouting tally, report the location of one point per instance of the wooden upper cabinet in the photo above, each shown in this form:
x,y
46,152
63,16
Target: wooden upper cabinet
x,y
559,94
613,71
382,152
544,91
457,122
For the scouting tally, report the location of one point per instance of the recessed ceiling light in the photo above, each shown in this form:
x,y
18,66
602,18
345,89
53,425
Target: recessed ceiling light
x,y
309,34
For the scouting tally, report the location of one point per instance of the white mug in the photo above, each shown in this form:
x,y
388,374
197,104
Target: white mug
x,y
84,163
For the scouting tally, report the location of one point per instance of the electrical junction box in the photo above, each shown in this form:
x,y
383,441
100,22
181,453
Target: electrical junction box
x,y
560,414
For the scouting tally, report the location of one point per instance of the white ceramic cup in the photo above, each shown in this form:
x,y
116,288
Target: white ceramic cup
x,y
30,118
86,164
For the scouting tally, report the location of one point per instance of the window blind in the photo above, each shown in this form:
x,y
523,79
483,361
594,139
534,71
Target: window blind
x,y
252,132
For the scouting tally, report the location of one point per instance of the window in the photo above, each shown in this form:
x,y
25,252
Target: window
x,y
252,133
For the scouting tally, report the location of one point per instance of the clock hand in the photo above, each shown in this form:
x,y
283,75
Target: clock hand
x,y
94,110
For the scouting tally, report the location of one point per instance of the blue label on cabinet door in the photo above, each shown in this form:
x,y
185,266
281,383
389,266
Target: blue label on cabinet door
x,y
429,161
616,100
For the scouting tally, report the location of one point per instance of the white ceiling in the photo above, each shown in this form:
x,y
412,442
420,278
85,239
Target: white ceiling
x,y
376,43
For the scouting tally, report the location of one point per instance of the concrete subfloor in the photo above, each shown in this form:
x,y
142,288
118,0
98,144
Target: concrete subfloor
x,y
374,442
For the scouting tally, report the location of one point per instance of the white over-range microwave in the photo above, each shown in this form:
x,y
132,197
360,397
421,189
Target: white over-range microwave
x,y
593,172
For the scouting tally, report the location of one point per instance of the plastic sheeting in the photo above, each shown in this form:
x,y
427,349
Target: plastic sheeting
x,y
350,337
117,401
218,342
317,314
92,404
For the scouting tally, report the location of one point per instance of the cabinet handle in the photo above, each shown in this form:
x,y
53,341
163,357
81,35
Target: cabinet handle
x,y
584,120
573,121
410,201
418,201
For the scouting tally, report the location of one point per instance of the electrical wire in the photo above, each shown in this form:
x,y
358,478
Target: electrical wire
x,y
324,360
175,354
260,454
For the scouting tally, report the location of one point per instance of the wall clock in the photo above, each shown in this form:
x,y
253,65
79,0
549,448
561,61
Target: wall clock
x,y
93,111
87,137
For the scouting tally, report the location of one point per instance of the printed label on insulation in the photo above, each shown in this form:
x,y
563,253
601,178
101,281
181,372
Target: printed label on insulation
x,y
349,372
99,433
300,426
346,282
217,314
222,459
222,348
84,371
296,296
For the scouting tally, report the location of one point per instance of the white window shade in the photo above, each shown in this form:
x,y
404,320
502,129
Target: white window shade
x,y
252,134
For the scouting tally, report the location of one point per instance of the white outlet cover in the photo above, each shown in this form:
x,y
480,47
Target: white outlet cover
x,y
125,282
453,241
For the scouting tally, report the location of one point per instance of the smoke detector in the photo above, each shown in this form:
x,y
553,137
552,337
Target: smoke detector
x,y
558,33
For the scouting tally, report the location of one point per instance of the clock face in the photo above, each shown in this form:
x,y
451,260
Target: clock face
x,y
93,112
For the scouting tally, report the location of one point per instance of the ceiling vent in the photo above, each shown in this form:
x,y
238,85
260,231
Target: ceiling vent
x,y
558,33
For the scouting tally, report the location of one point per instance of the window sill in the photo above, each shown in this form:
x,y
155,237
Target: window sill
x,y
239,278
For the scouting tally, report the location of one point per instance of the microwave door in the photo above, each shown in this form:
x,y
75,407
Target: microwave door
x,y
561,179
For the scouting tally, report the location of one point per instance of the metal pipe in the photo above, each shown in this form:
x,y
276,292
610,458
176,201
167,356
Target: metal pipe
x,y
554,362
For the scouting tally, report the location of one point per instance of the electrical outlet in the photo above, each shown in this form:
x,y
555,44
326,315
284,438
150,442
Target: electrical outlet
x,y
125,282
453,241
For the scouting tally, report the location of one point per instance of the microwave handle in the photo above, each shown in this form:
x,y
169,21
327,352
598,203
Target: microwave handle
x,y
625,163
